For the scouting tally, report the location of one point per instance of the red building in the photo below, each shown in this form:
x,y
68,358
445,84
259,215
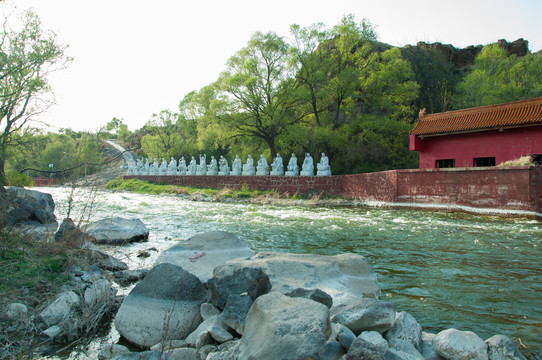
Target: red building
x,y
482,136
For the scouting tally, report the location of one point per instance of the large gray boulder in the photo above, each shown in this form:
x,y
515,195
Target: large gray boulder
x,y
231,280
217,246
454,344
365,315
29,206
281,327
501,347
345,277
116,231
164,305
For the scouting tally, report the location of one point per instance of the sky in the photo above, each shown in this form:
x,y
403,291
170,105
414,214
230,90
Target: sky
x,y
135,58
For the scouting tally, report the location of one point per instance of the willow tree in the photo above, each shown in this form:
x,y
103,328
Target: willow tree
x,y
27,56
257,90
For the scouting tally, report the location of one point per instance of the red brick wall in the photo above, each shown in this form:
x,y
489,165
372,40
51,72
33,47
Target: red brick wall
x,y
44,181
511,188
503,145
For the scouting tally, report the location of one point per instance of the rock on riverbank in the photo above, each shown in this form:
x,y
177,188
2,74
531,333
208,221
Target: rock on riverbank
x,y
280,306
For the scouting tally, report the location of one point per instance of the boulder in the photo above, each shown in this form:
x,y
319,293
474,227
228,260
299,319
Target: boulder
x,y
455,344
116,231
405,328
202,253
53,331
169,344
207,310
99,293
405,349
334,350
232,280
427,350
108,351
375,339
61,308
145,355
16,312
365,314
103,260
345,277
280,327
183,354
29,206
235,312
164,305
501,347
345,336
68,233
312,294
214,327
361,349
127,277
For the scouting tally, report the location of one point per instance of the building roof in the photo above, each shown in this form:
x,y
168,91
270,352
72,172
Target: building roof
x,y
512,114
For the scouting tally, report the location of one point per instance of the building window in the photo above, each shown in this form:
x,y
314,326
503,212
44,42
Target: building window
x,y
448,163
485,161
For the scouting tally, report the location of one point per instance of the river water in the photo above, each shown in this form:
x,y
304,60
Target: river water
x,y
470,272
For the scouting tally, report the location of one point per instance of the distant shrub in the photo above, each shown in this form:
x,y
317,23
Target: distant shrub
x,y
19,179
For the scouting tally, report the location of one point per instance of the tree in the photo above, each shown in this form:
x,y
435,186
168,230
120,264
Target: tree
x,y
27,57
497,78
257,90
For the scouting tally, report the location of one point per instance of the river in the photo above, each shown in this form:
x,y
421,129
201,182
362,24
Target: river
x,y
470,272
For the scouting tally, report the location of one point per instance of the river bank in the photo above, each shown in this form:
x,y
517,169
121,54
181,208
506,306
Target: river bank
x,y
474,273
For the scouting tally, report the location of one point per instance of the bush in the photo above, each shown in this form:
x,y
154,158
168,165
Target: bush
x,y
19,179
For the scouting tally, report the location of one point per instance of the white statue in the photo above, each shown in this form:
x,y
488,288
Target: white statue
x,y
192,167
277,167
293,168
172,167
201,169
236,166
147,167
307,168
262,168
224,167
212,168
323,168
181,169
248,168
154,168
163,167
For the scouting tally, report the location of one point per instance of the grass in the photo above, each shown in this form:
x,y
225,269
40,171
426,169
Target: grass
x,y
146,187
29,268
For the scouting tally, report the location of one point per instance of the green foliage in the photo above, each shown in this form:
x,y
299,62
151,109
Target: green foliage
x,y
25,264
498,78
27,56
19,179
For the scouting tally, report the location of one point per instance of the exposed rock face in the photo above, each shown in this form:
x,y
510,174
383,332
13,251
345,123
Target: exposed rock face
x,y
280,327
117,231
456,344
345,277
164,305
29,205
217,246
520,47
